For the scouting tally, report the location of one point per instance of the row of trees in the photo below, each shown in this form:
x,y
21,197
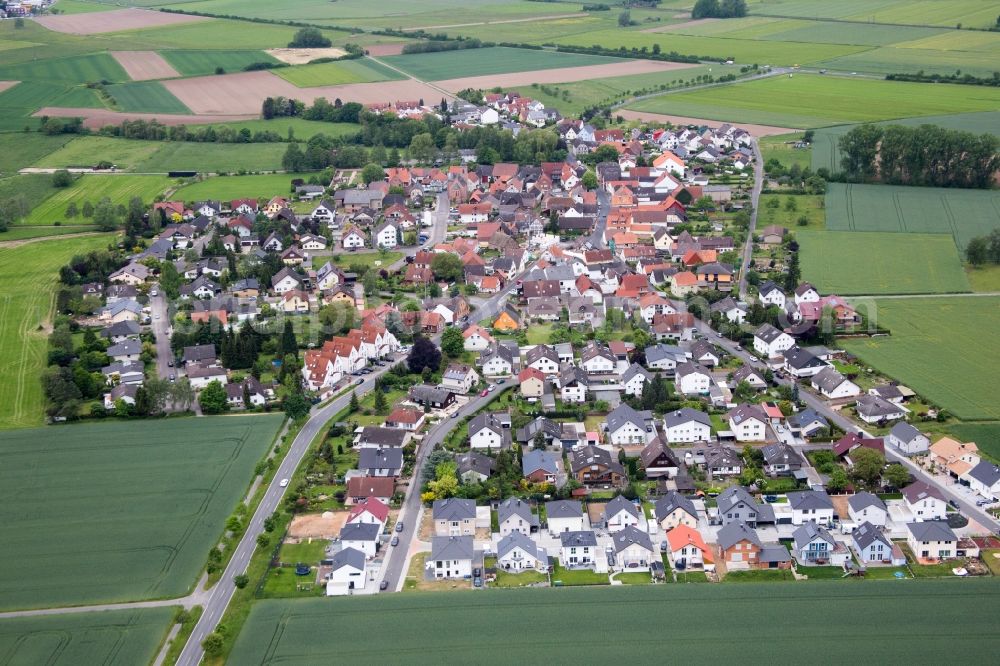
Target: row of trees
x,y
927,155
717,9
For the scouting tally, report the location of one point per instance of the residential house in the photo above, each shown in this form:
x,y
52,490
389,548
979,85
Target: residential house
x,y
687,549
633,548
740,545
664,357
454,517
675,510
737,505
620,513
361,488
370,510
477,338
931,540
704,353
984,479
811,505
722,461
771,294
907,439
834,385
864,507
431,397
658,460
692,379
925,502
451,556
542,358
381,462
813,545
954,456
872,545
770,342
634,379
780,459
405,418
872,409
748,423
593,466
625,425
459,378
347,572
753,377
473,467
377,437
801,363
362,537
531,383
573,384
490,431
514,515
565,516
578,550
540,466
597,359
807,423
518,552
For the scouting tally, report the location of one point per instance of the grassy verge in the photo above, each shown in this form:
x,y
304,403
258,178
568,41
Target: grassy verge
x,y
758,576
578,577
188,620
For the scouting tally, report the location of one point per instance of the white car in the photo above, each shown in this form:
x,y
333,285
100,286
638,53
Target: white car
x,y
283,483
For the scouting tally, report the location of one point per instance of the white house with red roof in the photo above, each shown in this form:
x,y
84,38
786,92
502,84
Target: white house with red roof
x,y
371,510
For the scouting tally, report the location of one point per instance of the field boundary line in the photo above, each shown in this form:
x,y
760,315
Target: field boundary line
x,y
900,218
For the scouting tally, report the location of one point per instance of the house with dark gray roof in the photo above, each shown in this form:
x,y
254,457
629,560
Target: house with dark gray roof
x,y
659,460
565,516
780,459
907,439
833,385
872,545
722,461
864,507
634,379
673,510
433,397
454,516
451,557
381,462
473,467
807,423
748,374
984,479
594,466
931,540
811,505
549,429
491,431
872,409
633,548
578,549
737,505
802,363
515,515
625,425
519,552
814,545
686,425
361,536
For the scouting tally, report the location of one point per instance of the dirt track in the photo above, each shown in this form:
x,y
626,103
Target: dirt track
x,y
145,65
561,75
113,21
756,130
244,92
98,118
4,85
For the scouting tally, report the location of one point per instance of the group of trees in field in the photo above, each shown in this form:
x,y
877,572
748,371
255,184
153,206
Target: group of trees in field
x,y
309,38
927,155
984,249
719,9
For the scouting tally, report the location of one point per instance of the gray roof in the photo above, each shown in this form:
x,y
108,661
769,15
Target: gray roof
x,y
619,503
539,424
931,530
904,432
920,490
773,553
539,352
623,414
564,509
691,368
672,501
828,379
808,533
767,287
743,372
986,473
631,536
767,333
799,358
360,532
381,436
805,417
126,347
781,454
517,508
522,541
732,496
810,499
735,532
684,415
127,327
571,374
380,459
633,370
577,539
863,500
538,459
427,393
452,548
722,456
659,352
454,508
703,347
474,462
747,411
348,557
591,455
866,534
870,405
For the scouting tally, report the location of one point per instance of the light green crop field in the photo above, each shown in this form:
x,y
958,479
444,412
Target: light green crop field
x,y
79,69
480,62
38,231
19,150
985,435
93,188
28,277
86,151
146,97
301,128
214,157
221,34
846,263
895,621
826,153
337,73
813,101
890,60
204,61
939,348
29,189
962,214
235,187
17,104
971,13
141,505
112,637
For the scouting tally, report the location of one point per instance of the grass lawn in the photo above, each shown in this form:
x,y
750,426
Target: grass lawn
x,y
635,578
885,573
309,553
823,573
28,277
983,278
483,62
991,558
205,61
162,494
108,637
366,260
283,583
93,188
578,576
38,231
86,151
338,73
235,187
782,148
849,263
808,206
30,189
896,624
215,157
538,334
692,577
146,97
416,582
804,101
962,214
758,576
936,348
505,579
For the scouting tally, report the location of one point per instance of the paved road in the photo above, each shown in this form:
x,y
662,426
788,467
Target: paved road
x,y
603,208
967,507
758,184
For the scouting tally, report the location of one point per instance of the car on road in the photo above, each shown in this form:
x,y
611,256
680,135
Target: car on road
x,y
399,526
156,316
383,586
454,415
663,546
154,293
173,377
283,483
491,387
395,541
360,382
501,380
170,363
485,393
477,572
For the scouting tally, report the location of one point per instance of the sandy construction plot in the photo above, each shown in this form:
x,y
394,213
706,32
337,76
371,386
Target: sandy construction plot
x,y
302,56
145,65
561,75
98,118
244,92
317,526
756,130
117,19
4,85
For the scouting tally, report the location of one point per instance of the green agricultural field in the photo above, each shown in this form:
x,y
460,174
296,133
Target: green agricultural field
x,y
301,129
21,150
214,157
896,622
17,104
970,13
235,187
985,435
141,505
813,101
338,73
205,61
938,348
962,214
848,263
111,637
39,231
27,281
826,153
75,70
481,62
86,151
29,190
889,60
146,97
93,188
221,34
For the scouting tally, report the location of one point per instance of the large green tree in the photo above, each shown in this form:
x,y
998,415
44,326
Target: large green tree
x,y
213,398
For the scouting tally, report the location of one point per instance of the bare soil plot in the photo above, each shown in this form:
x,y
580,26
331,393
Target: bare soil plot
x,y
4,85
756,130
324,525
98,118
680,26
113,21
145,65
385,49
302,56
244,92
562,74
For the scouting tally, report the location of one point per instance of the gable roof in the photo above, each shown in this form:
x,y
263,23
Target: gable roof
x,y
682,536
618,504
920,490
866,534
863,500
538,459
454,508
564,509
810,532
624,414
931,530
348,557
514,507
672,501
810,500
577,539
371,505
522,541
631,536
452,548
734,533
360,532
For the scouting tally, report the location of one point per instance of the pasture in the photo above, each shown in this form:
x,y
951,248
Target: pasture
x,y
219,33
235,187
894,621
300,128
21,150
86,151
145,97
112,637
214,157
847,263
141,505
93,188
812,101
205,61
481,62
28,277
338,73
938,348
962,214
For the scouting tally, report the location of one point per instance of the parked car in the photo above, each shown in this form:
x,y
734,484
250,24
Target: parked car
x,y
477,582
395,541
454,415
383,586
485,393
399,526
360,382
